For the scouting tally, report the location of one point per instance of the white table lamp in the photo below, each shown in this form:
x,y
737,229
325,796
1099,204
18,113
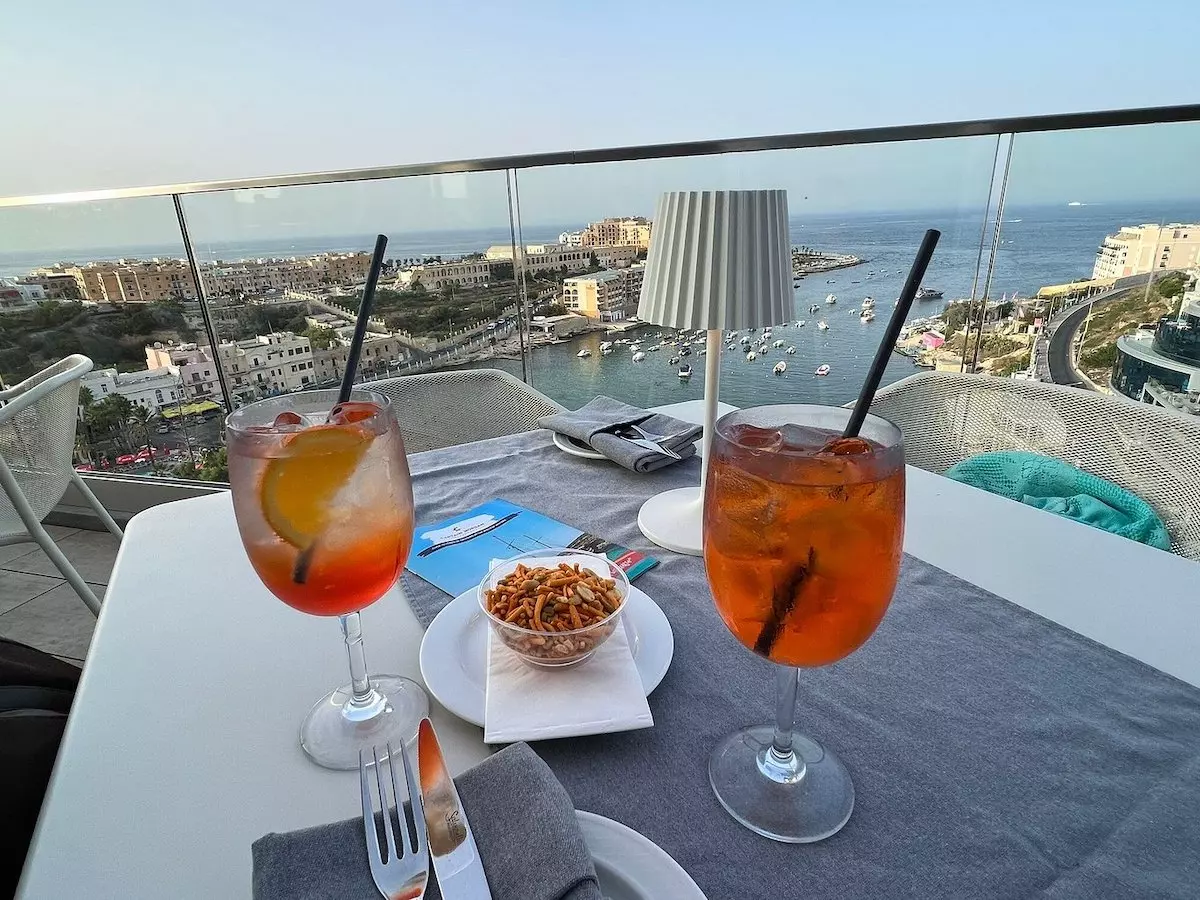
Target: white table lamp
x,y
718,260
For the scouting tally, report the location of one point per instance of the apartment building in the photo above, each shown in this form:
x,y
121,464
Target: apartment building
x,y
59,286
276,363
340,268
122,281
543,257
435,276
377,354
633,231
256,276
151,390
609,295
1137,249
571,238
194,366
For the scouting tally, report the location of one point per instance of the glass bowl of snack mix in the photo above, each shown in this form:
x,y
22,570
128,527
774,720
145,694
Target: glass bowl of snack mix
x,y
554,607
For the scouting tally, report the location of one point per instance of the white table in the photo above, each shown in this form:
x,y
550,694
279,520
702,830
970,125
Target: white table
x,y
182,746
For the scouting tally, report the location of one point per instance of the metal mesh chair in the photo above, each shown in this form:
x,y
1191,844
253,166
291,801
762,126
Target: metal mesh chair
x,y
1154,453
37,440
442,409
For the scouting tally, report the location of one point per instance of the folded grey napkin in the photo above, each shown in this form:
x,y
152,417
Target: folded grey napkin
x,y
591,423
524,825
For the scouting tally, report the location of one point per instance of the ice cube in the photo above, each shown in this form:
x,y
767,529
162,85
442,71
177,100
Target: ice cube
x,y
288,421
352,411
754,438
846,446
801,437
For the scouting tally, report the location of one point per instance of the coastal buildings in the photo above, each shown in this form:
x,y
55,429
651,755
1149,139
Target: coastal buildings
x,y
17,295
151,390
377,354
273,363
1135,250
60,286
1160,364
608,295
157,280
435,276
192,364
632,231
544,257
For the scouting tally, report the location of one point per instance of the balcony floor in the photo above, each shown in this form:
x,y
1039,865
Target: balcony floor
x,y
37,607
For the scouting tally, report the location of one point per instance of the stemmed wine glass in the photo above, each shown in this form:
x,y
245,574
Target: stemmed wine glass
x,y
324,506
803,532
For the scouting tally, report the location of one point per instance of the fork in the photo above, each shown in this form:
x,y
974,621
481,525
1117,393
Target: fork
x,y
627,433
645,440
405,873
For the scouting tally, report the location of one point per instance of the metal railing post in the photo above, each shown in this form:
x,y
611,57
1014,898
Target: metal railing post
x,y
209,329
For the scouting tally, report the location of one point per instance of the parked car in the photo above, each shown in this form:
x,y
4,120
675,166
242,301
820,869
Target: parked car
x,y
126,459
164,428
85,467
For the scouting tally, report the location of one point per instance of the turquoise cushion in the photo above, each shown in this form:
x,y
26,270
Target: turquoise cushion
x,y
1060,488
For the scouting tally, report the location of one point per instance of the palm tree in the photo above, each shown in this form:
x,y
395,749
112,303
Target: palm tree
x,y
139,417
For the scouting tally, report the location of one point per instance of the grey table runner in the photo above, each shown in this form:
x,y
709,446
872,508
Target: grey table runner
x,y
994,753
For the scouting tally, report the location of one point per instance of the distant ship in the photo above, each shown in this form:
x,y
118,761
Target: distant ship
x,y
1075,203
930,294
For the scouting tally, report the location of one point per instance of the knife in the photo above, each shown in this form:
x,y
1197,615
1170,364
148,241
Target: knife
x,y
451,844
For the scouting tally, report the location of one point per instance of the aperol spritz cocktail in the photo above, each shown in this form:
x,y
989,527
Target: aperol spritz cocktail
x,y
803,535
323,500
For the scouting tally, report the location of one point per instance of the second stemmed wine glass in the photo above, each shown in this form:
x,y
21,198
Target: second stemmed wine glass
x,y
324,506
803,533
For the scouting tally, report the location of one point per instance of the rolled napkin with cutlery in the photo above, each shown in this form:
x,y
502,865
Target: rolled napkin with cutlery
x,y
522,819
596,422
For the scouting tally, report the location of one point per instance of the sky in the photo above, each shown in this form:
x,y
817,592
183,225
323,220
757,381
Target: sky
x,y
131,92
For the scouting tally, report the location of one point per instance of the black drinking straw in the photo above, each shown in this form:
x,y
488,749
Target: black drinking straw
x,y
304,558
364,313
915,275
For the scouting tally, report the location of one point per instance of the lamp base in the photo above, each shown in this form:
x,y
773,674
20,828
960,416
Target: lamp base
x,y
674,519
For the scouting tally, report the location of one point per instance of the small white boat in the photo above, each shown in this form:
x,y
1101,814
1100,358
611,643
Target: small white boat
x,y
655,348
762,351
751,356
697,343
868,302
814,307
605,345
823,326
780,368
585,352
790,351
673,360
634,348
831,299
638,357
685,371
746,342
607,351
801,324
866,316
822,370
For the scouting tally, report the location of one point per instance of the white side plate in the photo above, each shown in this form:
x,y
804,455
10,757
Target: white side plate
x,y
454,651
630,865
575,447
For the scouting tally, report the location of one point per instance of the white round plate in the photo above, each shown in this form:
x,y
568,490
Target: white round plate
x,y
454,651
575,447
630,865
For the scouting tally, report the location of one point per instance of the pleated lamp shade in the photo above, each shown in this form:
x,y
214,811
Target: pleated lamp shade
x,y
719,260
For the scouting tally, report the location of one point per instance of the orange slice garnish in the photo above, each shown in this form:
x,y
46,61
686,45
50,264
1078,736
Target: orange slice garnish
x,y
298,488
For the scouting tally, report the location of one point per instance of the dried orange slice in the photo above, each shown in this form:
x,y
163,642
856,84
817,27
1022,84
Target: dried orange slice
x,y
298,487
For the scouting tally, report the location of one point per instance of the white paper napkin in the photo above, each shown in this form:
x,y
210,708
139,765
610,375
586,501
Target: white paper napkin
x,y
529,703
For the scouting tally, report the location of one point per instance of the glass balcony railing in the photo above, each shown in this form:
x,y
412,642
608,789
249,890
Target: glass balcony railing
x,y
194,299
